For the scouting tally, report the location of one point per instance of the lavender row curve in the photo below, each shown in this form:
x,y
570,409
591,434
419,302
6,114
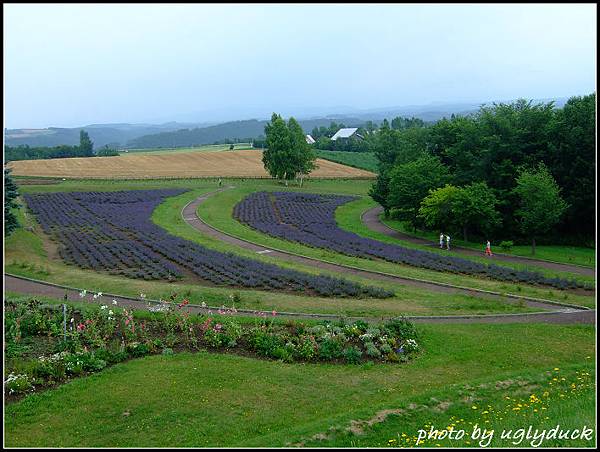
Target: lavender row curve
x,y
113,232
309,219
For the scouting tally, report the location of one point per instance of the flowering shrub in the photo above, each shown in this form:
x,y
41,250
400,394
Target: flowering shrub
x,y
104,336
17,383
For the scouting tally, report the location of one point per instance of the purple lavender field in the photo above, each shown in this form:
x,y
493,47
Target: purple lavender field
x,y
113,232
309,219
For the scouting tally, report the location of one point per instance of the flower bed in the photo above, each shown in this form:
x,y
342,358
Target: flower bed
x,y
309,219
113,231
102,336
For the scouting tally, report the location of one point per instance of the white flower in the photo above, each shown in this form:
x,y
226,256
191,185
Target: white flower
x,y
142,295
203,304
103,307
83,293
110,312
114,302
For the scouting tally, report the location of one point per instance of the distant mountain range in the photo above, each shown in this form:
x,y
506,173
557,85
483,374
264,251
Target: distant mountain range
x,y
177,134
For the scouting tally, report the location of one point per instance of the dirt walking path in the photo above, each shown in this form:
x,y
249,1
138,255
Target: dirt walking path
x,y
371,220
13,283
549,312
189,215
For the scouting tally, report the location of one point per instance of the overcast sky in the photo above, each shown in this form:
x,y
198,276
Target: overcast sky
x,y
72,65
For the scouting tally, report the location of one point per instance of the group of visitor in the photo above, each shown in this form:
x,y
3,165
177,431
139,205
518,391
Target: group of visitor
x,y
443,237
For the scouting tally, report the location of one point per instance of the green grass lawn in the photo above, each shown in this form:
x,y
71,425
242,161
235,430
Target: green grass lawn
x,y
207,399
362,160
555,253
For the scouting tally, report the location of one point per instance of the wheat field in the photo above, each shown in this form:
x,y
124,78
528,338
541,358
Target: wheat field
x,y
247,163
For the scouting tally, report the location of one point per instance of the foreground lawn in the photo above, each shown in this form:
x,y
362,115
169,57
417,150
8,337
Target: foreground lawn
x,y
555,253
208,399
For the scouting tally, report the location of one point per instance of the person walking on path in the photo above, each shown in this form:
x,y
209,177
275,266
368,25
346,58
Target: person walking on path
x,y
441,240
488,249
448,242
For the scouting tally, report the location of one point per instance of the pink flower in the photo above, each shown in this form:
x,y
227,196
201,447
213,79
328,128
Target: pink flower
x,y
80,327
274,313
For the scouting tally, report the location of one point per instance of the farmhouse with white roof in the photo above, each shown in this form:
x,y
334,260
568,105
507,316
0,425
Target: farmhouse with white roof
x,y
349,132
310,139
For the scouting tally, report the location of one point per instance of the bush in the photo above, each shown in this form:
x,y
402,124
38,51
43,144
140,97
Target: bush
x,y
506,245
138,349
306,348
264,342
330,349
401,328
18,383
372,350
352,355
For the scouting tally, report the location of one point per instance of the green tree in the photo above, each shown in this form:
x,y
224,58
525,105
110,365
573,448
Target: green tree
x,y
10,194
540,202
461,209
287,154
380,192
572,161
302,156
411,182
86,145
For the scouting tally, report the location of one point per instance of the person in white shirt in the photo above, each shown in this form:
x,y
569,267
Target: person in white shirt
x,y
448,242
441,240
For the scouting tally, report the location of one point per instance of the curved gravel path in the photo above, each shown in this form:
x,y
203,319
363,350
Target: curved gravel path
x,y
549,312
27,286
371,220
566,312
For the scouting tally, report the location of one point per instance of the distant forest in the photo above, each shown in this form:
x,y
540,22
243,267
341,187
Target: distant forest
x,y
221,133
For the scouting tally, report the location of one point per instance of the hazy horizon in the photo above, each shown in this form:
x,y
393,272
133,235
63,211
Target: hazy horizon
x,y
73,65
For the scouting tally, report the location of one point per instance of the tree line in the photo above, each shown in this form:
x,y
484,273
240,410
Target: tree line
x,y
508,171
84,149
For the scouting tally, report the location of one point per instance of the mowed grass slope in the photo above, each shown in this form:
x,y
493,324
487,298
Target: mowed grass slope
x,y
207,399
173,165
363,160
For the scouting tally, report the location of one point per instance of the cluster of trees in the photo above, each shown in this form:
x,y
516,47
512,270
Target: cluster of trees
x,y
287,155
84,149
508,171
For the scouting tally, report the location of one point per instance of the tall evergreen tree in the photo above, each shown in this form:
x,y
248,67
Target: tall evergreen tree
x,y
10,194
85,144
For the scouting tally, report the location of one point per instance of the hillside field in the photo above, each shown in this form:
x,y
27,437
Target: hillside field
x,y
180,165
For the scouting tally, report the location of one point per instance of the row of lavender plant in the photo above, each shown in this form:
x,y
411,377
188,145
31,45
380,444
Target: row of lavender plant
x,y
113,231
310,219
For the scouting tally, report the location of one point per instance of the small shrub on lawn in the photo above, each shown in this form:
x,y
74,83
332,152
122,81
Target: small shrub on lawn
x,y
352,355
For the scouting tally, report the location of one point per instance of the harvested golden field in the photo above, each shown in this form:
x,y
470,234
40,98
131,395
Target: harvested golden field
x,y
179,165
